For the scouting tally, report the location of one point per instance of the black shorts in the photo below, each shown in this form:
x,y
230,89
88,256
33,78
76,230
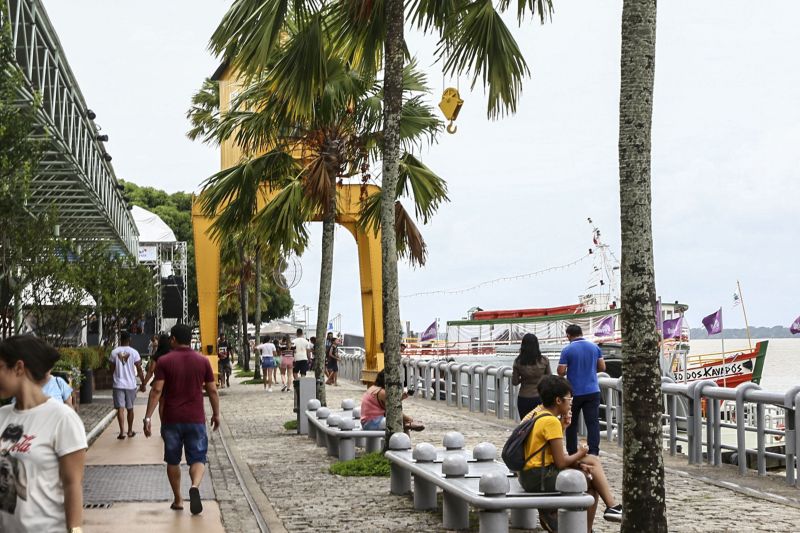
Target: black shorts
x,y
301,367
333,365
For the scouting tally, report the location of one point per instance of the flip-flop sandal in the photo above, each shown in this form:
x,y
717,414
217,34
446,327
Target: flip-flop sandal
x,y
131,435
121,436
195,505
176,507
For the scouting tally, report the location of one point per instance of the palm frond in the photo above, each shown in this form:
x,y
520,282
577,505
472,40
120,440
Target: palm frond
x,y
427,189
359,29
543,7
204,113
430,15
410,244
481,44
282,222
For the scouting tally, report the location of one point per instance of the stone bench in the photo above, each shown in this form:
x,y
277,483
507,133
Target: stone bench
x,y
340,431
476,479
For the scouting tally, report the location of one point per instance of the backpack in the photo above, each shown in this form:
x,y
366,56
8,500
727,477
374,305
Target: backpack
x,y
514,449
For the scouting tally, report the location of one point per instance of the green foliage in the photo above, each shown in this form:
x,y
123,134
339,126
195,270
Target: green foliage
x,y
371,464
243,373
290,425
251,382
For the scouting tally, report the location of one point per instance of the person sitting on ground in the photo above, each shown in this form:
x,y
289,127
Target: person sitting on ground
x,y
529,368
373,407
545,447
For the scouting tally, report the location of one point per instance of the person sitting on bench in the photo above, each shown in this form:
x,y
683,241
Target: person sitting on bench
x,y
373,407
547,456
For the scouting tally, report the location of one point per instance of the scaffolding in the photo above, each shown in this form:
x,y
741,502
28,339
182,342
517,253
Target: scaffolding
x,y
168,262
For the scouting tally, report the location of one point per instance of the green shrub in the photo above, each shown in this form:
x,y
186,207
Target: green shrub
x,y
371,464
290,425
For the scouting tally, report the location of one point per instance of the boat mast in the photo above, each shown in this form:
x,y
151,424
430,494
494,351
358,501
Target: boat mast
x,y
744,312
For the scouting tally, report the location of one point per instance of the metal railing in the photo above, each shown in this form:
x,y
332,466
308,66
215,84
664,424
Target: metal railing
x,y
696,413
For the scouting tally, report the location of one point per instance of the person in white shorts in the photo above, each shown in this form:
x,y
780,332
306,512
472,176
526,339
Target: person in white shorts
x,y
126,364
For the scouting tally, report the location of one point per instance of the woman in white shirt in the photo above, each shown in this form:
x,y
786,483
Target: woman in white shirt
x,y
42,445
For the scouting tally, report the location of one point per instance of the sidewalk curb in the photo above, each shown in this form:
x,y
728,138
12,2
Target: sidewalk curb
x,y
260,500
100,427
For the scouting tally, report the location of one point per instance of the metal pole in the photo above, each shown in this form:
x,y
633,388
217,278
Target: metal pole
x,y
744,312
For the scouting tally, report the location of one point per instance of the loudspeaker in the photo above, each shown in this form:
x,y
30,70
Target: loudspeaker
x,y
172,301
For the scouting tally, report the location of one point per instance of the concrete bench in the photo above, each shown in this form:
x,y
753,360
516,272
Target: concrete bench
x,y
340,431
476,479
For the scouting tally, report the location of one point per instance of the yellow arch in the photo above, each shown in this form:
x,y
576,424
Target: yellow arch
x,y
206,252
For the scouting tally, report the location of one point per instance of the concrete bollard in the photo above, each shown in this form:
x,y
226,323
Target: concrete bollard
x,y
424,490
455,511
333,440
484,452
322,414
304,392
375,444
357,413
347,445
312,406
453,441
347,407
493,484
571,482
361,442
400,481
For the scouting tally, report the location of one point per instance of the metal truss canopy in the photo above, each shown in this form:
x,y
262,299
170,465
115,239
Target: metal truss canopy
x,y
74,176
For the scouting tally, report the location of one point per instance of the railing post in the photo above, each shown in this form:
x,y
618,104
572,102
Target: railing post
x,y
741,445
400,480
618,409
790,402
483,402
449,382
500,392
715,413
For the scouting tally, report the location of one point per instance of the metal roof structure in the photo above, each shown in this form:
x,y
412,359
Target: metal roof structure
x,y
75,174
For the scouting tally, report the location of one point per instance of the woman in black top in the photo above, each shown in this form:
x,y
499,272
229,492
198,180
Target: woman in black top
x,y
529,367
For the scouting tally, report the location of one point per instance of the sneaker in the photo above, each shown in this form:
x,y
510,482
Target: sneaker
x,y
549,521
269,389
613,514
283,389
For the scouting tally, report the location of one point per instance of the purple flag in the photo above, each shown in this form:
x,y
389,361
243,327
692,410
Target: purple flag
x,y
672,328
713,322
795,327
430,333
605,328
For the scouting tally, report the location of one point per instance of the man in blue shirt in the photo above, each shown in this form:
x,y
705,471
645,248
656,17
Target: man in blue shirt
x,y
580,362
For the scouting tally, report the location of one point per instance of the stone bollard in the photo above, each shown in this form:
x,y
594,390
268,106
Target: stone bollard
x,y
571,482
312,406
322,415
347,445
347,407
455,511
375,444
400,481
484,452
424,490
453,441
493,484
361,442
333,440
304,392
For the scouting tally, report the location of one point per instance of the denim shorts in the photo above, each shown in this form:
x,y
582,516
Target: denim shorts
x,y
373,423
189,438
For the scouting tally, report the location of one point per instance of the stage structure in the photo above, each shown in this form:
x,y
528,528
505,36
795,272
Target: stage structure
x,y
166,257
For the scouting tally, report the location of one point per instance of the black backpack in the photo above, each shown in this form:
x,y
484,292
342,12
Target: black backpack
x,y
514,449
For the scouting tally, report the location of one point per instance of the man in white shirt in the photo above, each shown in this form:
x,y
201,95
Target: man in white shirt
x,y
126,363
301,347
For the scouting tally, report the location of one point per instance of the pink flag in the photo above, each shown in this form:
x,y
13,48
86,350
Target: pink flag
x,y
713,322
795,327
672,328
430,333
605,328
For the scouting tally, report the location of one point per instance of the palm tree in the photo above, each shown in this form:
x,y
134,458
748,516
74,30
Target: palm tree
x,y
473,39
322,126
643,466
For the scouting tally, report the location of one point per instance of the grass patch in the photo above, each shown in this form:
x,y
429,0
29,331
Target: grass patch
x,y
252,382
290,425
371,464
243,374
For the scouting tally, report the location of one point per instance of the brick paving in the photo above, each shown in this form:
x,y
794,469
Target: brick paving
x,y
293,473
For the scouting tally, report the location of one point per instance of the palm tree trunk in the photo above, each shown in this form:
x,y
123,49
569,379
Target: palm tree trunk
x,y
643,466
257,312
325,281
244,305
392,102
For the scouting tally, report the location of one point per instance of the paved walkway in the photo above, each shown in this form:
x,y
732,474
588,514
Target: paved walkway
x,y
299,494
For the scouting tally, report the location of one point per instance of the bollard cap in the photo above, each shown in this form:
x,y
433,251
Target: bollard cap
x,y
455,466
382,425
313,404
346,424
356,412
571,481
348,404
453,440
424,452
323,413
485,451
334,421
400,441
494,483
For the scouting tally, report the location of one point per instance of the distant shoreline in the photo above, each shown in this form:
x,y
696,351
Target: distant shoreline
x,y
757,332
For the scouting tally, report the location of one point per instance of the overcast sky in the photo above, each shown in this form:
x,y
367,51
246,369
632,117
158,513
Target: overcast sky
x,y
726,163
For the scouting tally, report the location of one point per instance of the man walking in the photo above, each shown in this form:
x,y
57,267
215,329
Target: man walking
x,y
224,367
580,361
126,363
301,348
184,373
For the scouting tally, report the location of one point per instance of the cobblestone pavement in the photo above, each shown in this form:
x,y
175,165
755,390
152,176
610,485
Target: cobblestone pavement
x,y
93,413
293,473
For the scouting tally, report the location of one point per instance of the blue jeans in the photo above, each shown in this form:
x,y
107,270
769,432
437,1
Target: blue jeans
x,y
589,404
373,423
191,438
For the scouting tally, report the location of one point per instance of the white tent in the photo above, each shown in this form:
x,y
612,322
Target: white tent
x,y
274,327
151,228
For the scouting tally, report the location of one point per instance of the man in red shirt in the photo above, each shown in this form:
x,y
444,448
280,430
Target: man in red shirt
x,y
182,375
